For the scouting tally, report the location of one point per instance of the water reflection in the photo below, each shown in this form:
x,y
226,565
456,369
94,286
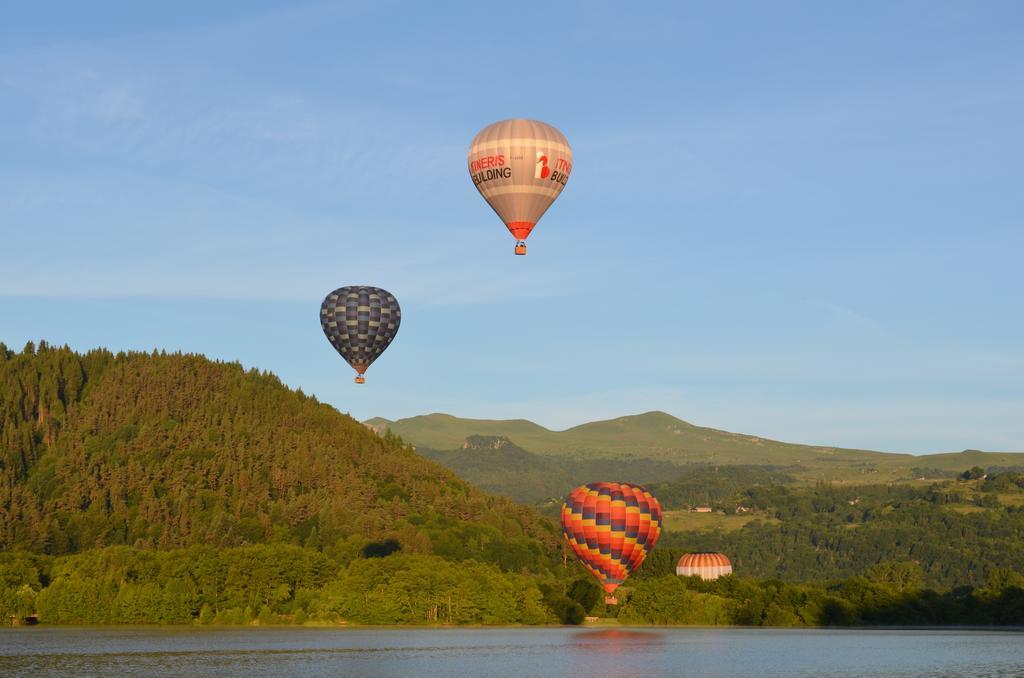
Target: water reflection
x,y
616,641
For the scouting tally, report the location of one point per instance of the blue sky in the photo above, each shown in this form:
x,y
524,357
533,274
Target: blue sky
x,y
797,220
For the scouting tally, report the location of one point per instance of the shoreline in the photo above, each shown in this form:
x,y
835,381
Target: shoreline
x,y
508,627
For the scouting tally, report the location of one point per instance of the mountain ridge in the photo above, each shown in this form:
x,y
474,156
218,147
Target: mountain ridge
x,y
657,435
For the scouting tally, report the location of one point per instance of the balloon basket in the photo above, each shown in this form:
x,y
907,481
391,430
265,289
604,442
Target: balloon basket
x,y
360,379
520,248
611,600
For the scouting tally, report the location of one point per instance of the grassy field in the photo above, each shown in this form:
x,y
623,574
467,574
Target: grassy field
x,y
679,521
968,508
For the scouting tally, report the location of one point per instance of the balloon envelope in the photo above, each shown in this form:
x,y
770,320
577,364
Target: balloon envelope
x,y
611,527
360,322
520,166
705,565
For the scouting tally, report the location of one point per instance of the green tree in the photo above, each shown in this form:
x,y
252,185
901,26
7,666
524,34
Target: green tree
x,y
586,592
902,576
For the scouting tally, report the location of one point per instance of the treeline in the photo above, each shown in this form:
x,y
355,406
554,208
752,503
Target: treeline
x,y
284,584
276,584
958,532
890,595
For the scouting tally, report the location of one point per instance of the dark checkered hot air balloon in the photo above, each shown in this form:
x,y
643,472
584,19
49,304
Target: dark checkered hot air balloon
x,y
360,322
611,527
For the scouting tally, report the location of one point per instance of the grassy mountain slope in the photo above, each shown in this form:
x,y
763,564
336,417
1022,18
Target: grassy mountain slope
x,y
660,436
445,432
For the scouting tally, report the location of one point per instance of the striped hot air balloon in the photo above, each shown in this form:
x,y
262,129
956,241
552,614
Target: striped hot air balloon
x,y
611,527
360,322
520,166
705,565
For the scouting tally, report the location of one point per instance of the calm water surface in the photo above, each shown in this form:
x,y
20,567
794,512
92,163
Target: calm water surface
x,y
143,651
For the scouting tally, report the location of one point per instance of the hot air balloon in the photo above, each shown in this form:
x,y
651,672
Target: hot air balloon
x,y
705,565
611,527
360,322
520,166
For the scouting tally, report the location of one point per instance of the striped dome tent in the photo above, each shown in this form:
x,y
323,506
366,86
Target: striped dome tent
x,y
705,565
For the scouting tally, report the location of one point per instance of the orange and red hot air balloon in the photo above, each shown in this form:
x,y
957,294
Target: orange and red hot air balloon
x,y
611,527
520,167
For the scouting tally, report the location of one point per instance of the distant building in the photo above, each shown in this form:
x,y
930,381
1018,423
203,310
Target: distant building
x,y
707,566
701,509
27,620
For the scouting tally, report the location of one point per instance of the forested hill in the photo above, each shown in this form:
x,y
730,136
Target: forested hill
x,y
164,451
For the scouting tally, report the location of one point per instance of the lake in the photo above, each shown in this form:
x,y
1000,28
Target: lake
x,y
520,652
